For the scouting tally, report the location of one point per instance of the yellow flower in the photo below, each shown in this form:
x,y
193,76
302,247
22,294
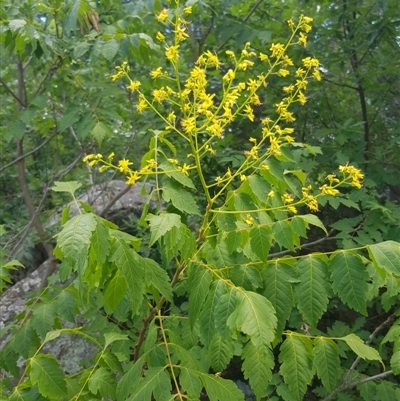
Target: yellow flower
x,y
303,39
316,74
134,86
283,73
277,50
171,117
229,76
189,124
162,16
123,165
245,64
156,73
312,203
354,173
180,34
287,198
160,37
243,178
263,57
271,194
142,105
249,219
249,112
171,53
302,98
111,156
184,169
187,10
328,190
292,209
290,23
133,177
159,95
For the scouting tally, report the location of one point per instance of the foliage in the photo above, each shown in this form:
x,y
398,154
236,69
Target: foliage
x,y
221,276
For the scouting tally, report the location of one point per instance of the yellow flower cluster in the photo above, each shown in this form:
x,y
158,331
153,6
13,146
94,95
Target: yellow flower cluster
x,y
352,173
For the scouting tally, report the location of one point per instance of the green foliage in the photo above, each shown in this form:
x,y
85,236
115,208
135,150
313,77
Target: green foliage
x,y
219,275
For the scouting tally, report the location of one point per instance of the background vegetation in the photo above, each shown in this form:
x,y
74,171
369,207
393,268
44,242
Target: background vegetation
x,y
59,104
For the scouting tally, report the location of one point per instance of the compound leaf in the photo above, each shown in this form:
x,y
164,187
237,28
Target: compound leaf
x,y
260,241
102,382
161,224
386,255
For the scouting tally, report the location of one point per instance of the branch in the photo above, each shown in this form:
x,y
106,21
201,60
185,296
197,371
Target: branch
x,y
28,153
306,245
345,384
8,89
246,18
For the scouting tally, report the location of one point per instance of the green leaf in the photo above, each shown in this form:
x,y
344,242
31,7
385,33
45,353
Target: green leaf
x,y
52,335
100,243
362,350
220,352
81,48
296,364
349,279
75,237
255,316
199,284
16,24
99,132
220,389
68,186
208,311
386,255
283,234
102,382
260,241
156,382
157,277
110,49
161,224
327,362
179,197
220,256
246,276
313,289
387,391
223,309
43,318
128,263
395,363
259,187
233,240
114,292
24,338
226,221
257,368
69,119
190,382
66,305
314,220
171,171
47,374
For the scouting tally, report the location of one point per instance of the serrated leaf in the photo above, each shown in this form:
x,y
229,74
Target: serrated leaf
x,y
362,350
114,292
156,382
67,186
99,132
24,394
255,316
223,309
24,338
47,374
199,284
157,277
171,171
247,277
226,221
220,352
259,187
386,255
75,236
100,243
313,289
69,119
16,24
179,197
257,368
128,263
207,315
110,49
161,224
314,220
296,365
66,305
43,318
327,362
102,382
387,391
220,256
190,382
220,389
52,335
260,241
233,240
283,234
81,48
395,363
349,279
299,226
277,278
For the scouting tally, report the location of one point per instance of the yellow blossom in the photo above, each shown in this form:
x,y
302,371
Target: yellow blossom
x,y
160,37
134,86
189,124
277,50
312,203
288,89
243,178
156,73
287,198
290,23
303,39
229,76
263,57
354,173
162,16
159,95
123,165
180,34
292,209
249,219
171,117
133,177
171,53
245,64
316,74
184,169
271,194
328,190
301,98
111,156
249,112
283,73
187,10
142,105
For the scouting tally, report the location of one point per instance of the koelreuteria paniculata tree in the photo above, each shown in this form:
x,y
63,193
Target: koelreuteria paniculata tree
x,y
221,284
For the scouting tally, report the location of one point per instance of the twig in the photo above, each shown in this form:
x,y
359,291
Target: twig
x,y
8,89
306,245
28,153
111,203
246,18
345,384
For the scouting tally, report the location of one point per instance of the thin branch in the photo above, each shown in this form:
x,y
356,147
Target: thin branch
x,y
246,18
28,153
345,384
306,245
8,89
111,203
